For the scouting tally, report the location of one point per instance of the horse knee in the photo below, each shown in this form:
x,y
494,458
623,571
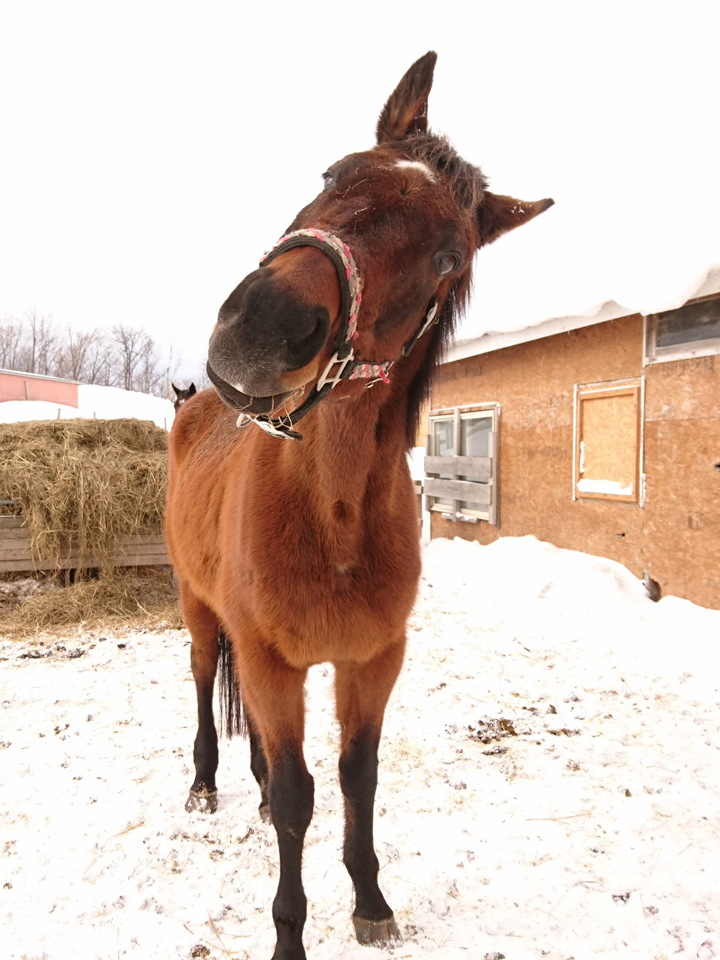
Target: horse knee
x,y
358,768
291,794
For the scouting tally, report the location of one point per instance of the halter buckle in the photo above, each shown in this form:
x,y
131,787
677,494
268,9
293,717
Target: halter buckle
x,y
278,428
342,362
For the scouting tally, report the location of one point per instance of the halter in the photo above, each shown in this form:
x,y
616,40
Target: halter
x,y
343,359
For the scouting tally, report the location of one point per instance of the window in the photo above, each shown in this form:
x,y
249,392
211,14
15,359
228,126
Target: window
x,y
461,465
608,441
690,331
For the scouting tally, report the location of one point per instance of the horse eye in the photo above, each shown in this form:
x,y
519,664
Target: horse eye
x,y
328,179
446,262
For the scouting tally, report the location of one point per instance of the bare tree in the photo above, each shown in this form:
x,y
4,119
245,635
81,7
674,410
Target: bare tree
x,y
11,343
165,388
133,351
40,343
123,357
99,363
75,352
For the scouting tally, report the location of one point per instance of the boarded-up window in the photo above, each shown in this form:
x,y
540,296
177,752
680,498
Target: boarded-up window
x,y
608,441
461,466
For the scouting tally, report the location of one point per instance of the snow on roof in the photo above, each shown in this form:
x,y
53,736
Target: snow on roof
x,y
670,292
638,246
35,376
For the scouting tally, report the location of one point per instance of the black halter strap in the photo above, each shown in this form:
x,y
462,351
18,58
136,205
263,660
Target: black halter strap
x,y
342,365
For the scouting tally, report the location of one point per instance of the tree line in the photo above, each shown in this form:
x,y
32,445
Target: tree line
x,y
120,356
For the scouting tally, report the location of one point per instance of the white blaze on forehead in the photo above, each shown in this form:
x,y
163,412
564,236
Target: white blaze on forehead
x,y
418,165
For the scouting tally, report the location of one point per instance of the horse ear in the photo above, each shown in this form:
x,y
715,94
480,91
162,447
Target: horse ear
x,y
191,390
174,388
498,214
405,113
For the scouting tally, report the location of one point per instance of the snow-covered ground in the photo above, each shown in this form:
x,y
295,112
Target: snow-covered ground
x,y
549,784
94,402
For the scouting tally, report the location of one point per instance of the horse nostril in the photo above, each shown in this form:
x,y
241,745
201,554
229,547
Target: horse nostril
x,y
320,323
307,326
308,336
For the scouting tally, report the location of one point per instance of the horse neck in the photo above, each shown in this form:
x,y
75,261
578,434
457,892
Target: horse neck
x,y
355,446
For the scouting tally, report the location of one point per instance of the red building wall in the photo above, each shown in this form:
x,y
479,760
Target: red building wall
x,y
26,386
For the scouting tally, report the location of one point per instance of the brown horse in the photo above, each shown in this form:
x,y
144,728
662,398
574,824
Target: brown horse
x,y
304,552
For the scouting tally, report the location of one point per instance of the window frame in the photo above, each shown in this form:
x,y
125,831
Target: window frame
x,y
652,353
457,415
609,388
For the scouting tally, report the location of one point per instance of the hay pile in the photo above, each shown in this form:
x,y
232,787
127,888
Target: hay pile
x,y
85,483
120,597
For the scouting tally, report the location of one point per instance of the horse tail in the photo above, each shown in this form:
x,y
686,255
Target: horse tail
x,y
232,720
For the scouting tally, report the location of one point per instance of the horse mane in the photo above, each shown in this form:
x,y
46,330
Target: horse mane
x,y
442,335
468,184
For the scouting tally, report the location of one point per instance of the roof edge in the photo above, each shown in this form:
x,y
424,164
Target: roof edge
x,y
610,310
548,328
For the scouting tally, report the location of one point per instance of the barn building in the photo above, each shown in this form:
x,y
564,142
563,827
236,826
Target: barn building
x,y
15,385
599,434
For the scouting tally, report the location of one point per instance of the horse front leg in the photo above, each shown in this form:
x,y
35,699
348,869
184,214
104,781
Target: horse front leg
x,y
259,767
273,693
362,692
204,648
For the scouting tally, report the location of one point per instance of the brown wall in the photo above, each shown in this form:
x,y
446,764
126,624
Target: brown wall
x,y
676,535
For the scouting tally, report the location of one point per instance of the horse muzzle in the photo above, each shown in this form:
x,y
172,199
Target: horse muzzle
x,y
264,344
243,402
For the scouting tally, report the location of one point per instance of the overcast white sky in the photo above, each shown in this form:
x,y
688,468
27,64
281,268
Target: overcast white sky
x,y
150,152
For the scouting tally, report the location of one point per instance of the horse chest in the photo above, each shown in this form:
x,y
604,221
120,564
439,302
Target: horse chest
x,y
333,605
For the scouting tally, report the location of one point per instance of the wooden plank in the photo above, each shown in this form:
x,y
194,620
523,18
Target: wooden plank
x,y
148,560
14,533
474,468
74,559
493,513
478,493
16,552
9,523
15,549
20,532
156,538
139,550
13,566
159,559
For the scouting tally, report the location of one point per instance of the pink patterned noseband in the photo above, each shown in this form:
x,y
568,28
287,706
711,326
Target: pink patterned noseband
x,y
340,254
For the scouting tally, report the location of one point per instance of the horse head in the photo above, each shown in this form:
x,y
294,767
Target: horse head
x,y
181,396
401,223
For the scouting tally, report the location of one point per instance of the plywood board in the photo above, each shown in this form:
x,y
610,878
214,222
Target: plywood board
x,y
607,456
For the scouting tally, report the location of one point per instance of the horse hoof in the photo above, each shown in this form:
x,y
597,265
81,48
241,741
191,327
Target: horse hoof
x,y
203,800
264,811
376,931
